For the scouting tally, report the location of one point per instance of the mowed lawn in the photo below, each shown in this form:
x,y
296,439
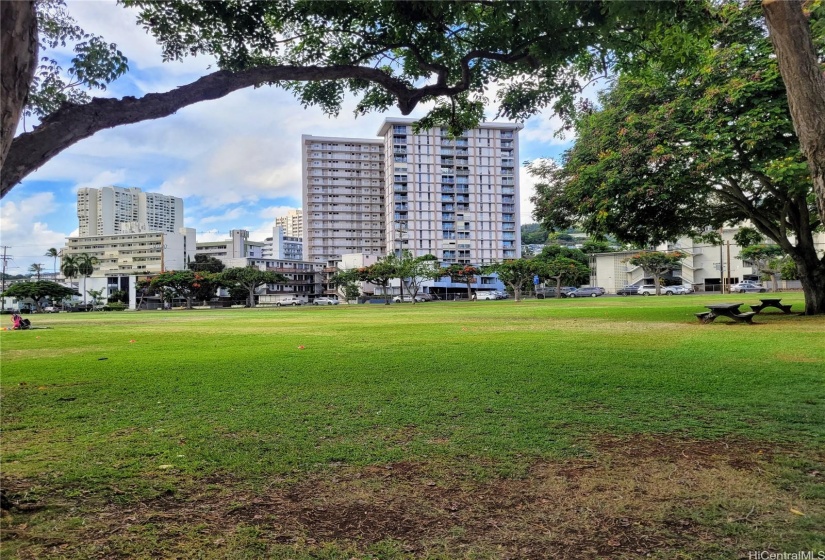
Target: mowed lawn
x,y
608,427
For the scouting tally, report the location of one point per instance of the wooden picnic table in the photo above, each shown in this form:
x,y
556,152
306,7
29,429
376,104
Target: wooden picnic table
x,y
729,310
771,302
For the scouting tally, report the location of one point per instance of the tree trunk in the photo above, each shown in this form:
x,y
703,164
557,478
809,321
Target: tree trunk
x,y
18,44
790,34
252,296
812,277
516,292
558,287
470,290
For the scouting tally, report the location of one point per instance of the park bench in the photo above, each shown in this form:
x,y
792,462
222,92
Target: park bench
x,y
771,302
729,310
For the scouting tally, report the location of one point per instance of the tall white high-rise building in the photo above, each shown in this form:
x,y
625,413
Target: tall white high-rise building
x,y
292,223
455,198
113,210
343,197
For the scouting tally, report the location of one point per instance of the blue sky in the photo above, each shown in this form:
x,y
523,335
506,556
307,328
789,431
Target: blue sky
x,y
236,162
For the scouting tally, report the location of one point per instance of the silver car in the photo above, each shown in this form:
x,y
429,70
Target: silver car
x,y
325,301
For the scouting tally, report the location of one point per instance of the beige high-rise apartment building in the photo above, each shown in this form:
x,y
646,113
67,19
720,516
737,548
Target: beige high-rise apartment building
x,y
292,223
455,198
113,210
343,197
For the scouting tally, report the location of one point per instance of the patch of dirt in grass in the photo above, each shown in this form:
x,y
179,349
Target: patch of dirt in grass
x,y
635,497
796,358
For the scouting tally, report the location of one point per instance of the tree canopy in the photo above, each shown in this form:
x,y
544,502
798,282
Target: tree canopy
x,y
39,290
251,279
385,53
670,154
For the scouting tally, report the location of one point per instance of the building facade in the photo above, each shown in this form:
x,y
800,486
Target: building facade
x,y
455,198
303,278
343,197
135,253
114,210
706,267
238,246
282,246
426,192
292,223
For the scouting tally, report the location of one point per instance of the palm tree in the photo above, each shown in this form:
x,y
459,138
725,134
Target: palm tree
x,y
68,267
53,253
85,266
36,269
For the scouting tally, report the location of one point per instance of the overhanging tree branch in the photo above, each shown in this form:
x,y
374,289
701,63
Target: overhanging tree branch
x,y
73,123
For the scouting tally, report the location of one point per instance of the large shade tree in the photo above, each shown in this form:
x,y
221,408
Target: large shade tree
x,y
380,274
385,53
250,279
517,273
38,291
670,154
464,274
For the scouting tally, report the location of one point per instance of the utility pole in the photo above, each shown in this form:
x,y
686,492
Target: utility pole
x,y
5,261
727,243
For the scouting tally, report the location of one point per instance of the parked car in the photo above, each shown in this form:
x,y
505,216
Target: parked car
x,y
550,292
408,299
325,301
590,291
675,290
628,291
747,286
647,290
484,295
51,309
501,294
289,300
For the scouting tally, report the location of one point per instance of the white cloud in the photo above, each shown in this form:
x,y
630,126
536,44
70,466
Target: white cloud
x,y
103,179
272,212
232,214
26,234
543,129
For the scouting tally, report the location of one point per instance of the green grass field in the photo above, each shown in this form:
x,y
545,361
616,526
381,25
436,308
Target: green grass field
x,y
440,430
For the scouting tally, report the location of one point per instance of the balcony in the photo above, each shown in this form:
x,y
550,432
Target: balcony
x,y
400,198
508,190
508,227
509,236
508,207
402,207
447,152
447,207
447,179
448,216
447,189
399,151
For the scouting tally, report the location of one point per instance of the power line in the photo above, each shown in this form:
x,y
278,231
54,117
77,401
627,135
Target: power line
x,y
6,258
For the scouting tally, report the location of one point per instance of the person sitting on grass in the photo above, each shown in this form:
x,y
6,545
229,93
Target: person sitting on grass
x,y
19,323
